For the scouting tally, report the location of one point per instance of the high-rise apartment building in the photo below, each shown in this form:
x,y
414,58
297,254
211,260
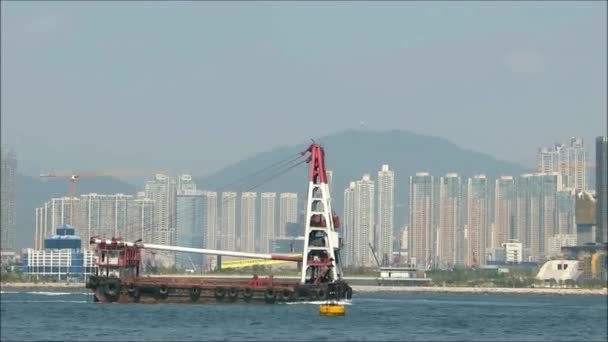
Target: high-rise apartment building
x,y
565,204
267,220
100,215
550,186
421,224
228,226
601,188
189,225
556,242
348,223
103,215
404,238
363,228
570,161
537,218
185,182
54,212
248,232
450,222
8,177
477,220
585,213
162,190
386,207
210,220
504,211
523,211
288,212
142,219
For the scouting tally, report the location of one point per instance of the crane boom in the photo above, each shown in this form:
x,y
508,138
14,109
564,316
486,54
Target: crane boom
x,y
283,257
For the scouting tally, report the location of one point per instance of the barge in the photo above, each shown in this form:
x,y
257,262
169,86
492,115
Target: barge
x,y
118,277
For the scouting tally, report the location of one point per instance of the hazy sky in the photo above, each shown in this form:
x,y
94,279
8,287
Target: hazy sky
x,y
193,86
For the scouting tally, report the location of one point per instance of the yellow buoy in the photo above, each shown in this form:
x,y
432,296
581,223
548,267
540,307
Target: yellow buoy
x,y
332,309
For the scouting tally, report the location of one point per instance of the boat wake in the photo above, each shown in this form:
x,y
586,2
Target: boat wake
x,y
320,302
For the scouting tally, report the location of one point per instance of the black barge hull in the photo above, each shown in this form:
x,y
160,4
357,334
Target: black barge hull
x,y
193,290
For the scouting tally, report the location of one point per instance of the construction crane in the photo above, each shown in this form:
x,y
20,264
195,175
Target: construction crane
x,y
72,177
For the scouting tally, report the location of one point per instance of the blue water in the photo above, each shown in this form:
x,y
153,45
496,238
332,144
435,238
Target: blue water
x,y
36,315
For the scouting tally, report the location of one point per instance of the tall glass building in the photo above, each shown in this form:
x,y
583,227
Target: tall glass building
x,y
537,207
189,227
504,211
478,232
422,239
450,221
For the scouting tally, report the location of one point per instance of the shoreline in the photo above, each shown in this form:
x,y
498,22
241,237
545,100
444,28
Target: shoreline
x,y
482,290
377,289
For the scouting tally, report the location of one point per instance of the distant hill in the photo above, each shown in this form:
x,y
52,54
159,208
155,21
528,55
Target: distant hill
x,y
32,192
352,153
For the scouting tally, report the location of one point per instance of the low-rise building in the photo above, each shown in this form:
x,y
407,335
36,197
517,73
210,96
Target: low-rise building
x,y
514,252
62,257
402,276
559,271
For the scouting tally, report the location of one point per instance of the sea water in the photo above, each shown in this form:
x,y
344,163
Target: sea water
x,y
73,316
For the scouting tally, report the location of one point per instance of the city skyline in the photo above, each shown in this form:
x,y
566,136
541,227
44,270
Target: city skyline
x,y
449,254
538,233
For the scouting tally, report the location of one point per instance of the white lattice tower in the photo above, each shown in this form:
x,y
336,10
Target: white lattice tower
x,y
321,254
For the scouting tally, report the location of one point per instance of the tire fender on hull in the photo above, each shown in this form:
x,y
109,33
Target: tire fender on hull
x,y
135,293
270,295
321,294
349,293
247,294
111,289
219,293
233,294
195,294
285,295
163,292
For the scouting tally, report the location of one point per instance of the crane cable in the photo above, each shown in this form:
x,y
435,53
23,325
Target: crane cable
x,y
280,163
277,174
283,166
284,169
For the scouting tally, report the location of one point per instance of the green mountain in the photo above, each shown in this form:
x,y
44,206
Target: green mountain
x,y
31,193
352,153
